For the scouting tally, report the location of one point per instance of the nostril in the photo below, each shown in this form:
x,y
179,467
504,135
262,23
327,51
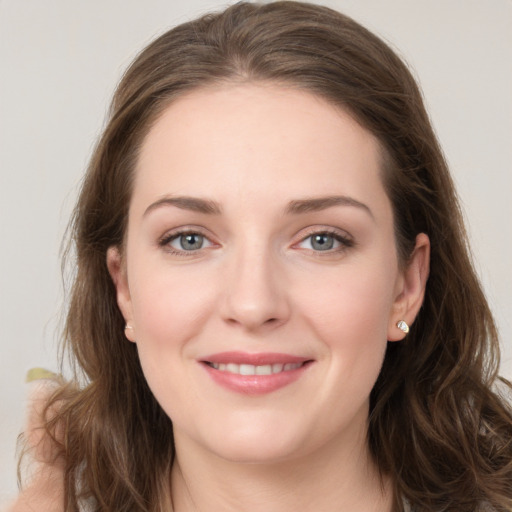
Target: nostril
x,y
254,323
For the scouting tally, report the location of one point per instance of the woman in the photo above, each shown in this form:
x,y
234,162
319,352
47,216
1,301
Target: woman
x,y
274,305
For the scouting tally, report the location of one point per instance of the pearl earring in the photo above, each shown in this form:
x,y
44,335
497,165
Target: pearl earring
x,y
402,325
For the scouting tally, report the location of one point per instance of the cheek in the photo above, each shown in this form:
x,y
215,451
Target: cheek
x,y
170,310
170,305
353,304
350,312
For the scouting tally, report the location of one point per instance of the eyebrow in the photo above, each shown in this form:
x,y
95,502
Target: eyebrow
x,y
322,203
194,204
298,206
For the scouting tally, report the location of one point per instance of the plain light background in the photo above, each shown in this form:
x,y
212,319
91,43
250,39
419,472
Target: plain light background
x,y
59,63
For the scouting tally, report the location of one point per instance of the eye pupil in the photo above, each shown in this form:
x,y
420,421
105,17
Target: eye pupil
x,y
191,241
322,242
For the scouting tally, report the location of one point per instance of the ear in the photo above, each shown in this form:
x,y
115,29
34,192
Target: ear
x,y
117,271
410,288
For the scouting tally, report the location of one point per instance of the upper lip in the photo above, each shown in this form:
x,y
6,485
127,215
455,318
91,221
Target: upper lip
x,y
258,359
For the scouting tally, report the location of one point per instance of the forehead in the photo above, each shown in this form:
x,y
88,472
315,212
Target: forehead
x,y
256,139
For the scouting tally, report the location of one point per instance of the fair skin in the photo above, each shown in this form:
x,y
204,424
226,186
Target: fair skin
x,y
45,490
260,240
260,233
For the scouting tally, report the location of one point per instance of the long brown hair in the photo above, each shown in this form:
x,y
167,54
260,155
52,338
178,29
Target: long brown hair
x,y
436,425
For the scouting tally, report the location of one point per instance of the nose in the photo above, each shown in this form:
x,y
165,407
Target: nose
x,y
254,291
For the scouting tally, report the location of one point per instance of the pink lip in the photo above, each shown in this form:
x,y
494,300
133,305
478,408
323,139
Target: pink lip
x,y
254,384
254,359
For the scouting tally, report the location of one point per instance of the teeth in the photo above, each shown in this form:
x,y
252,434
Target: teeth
x,y
249,369
264,370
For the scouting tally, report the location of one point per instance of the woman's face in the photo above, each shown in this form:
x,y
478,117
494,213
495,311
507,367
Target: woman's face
x,y
260,272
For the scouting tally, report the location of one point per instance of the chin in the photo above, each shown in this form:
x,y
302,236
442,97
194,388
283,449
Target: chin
x,y
257,442
262,451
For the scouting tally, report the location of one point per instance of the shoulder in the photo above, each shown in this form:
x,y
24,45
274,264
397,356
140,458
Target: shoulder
x,y
44,492
44,487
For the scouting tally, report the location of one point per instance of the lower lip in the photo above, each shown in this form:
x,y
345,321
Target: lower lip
x,y
255,384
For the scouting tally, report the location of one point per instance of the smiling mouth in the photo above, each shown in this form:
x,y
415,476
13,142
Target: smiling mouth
x,y
255,374
250,369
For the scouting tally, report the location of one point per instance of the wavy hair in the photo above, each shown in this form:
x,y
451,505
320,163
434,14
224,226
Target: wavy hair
x,y
437,425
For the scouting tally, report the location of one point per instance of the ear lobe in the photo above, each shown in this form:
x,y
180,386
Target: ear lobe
x,y
412,286
117,271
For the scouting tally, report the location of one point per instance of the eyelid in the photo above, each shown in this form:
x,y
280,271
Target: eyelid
x,y
169,236
345,239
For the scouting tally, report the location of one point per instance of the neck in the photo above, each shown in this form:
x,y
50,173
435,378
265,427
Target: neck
x,y
338,477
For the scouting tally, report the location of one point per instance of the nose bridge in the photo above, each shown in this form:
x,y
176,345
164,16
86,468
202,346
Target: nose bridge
x,y
254,291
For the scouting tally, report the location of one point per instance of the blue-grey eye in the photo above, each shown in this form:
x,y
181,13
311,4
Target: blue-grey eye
x,y
188,242
323,242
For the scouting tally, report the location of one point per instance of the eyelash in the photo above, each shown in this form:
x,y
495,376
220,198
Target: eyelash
x,y
345,242
166,240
